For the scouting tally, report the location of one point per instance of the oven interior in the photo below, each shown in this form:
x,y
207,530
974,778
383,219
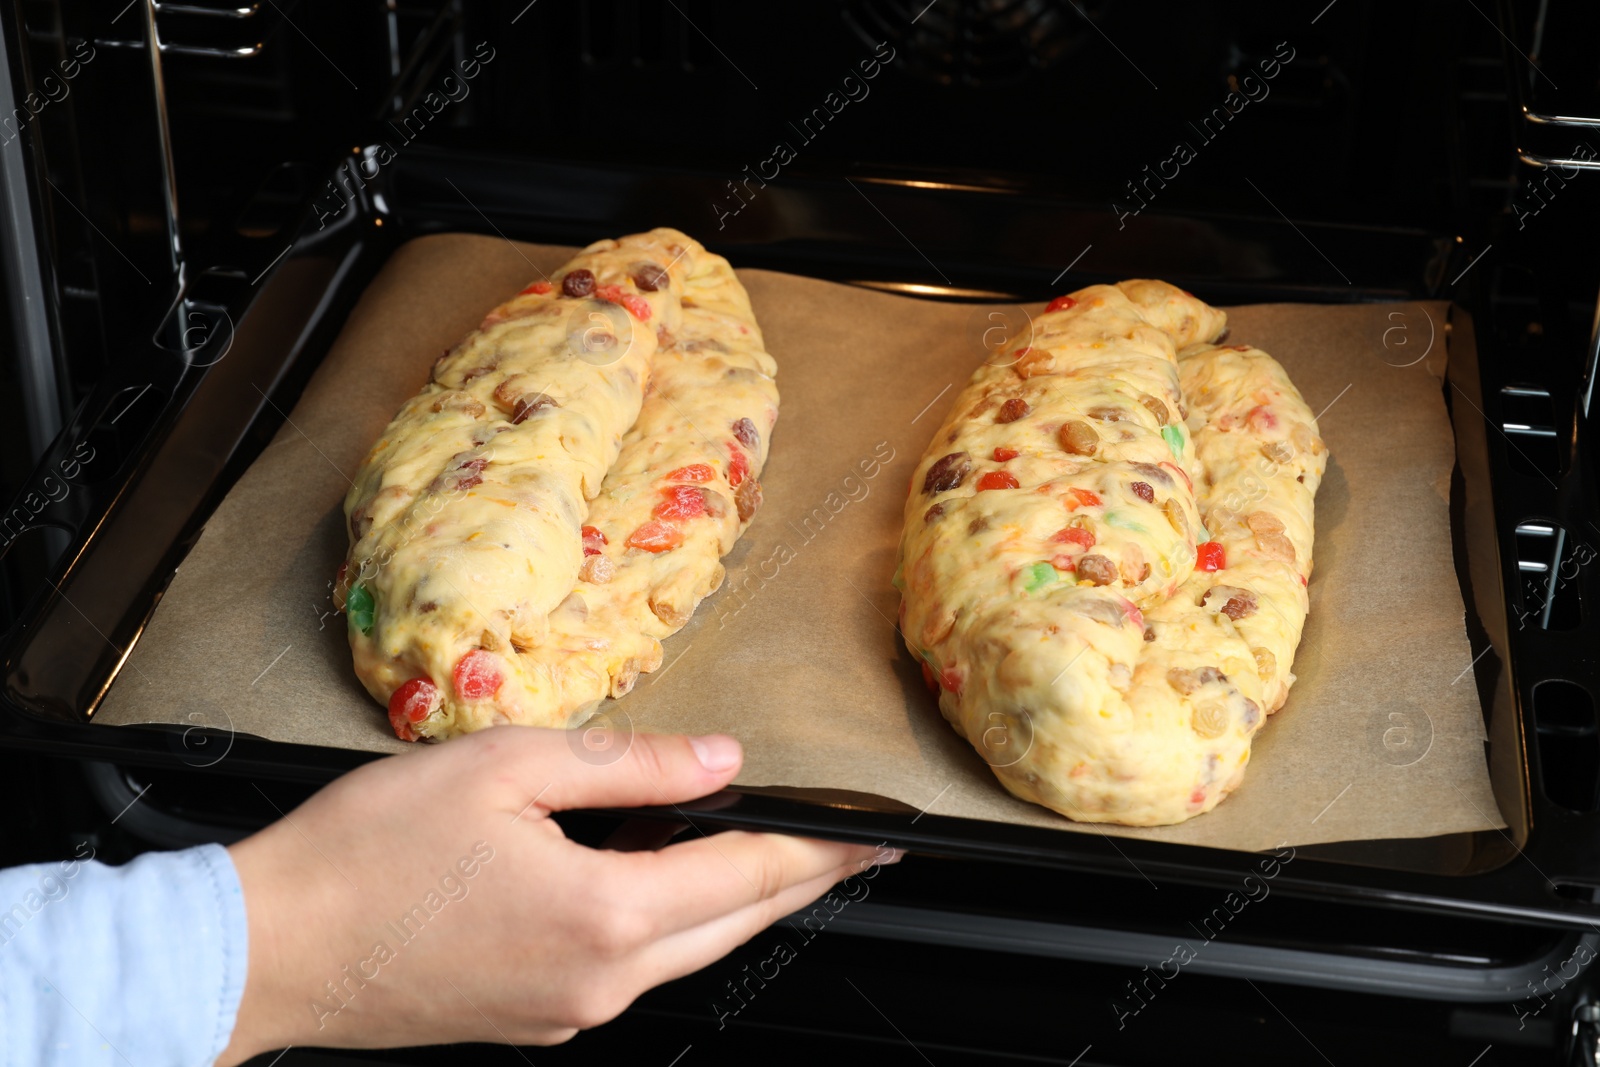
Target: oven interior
x,y
222,180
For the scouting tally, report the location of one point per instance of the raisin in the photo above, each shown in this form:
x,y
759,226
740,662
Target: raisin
x,y
531,404
1252,714
1239,603
1157,407
933,513
1263,522
1079,438
1097,570
1152,473
947,473
597,570
747,497
579,282
463,402
1149,634
1186,680
1278,451
1210,720
1108,413
748,435
650,278
1012,410
1143,491
1174,513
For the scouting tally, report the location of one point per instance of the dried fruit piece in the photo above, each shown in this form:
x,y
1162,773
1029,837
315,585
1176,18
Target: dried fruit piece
x,y
537,287
1210,720
1039,575
738,466
1143,491
1156,407
531,404
579,282
650,278
1078,438
1061,303
1012,410
933,513
359,608
1075,535
1278,451
597,570
681,502
1228,600
1097,570
411,703
947,473
655,536
1003,454
1082,498
1266,662
1210,556
747,498
997,480
746,432
1188,679
478,675
593,541
694,472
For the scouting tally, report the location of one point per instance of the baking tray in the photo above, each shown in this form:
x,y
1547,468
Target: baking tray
x,y
175,424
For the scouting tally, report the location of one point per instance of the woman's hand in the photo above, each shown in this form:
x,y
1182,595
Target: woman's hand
x,y
429,897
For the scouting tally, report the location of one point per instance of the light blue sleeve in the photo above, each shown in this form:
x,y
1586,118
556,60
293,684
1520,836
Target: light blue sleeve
x,y
140,964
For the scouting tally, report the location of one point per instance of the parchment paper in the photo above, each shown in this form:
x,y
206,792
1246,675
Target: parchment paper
x,y
798,656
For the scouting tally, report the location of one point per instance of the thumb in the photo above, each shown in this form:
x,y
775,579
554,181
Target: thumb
x,y
644,769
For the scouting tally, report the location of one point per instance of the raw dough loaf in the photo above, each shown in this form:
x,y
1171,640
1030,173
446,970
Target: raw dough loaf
x,y
1060,611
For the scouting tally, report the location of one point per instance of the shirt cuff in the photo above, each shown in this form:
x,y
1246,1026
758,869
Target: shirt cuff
x,y
142,963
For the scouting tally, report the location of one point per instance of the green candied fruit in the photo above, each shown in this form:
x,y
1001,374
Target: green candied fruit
x,y
1040,575
899,579
1122,522
1174,439
358,606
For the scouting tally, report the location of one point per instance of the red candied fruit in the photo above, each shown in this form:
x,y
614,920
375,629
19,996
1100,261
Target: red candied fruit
x,y
932,682
1082,498
738,465
411,703
656,536
1061,303
1210,556
610,293
952,680
537,287
637,306
477,675
593,541
681,502
1003,453
997,480
1075,535
694,472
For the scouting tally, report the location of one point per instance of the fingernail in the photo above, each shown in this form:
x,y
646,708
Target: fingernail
x,y
894,856
716,752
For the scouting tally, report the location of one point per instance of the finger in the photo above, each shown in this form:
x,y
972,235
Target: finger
x,y
690,950
642,835
641,769
696,881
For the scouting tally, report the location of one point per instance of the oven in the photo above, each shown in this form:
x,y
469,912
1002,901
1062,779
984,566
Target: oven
x,y
196,193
